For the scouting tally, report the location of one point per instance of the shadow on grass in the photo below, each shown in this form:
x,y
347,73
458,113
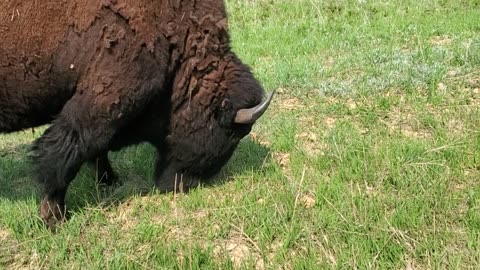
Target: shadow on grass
x,y
135,168
15,173
249,155
133,165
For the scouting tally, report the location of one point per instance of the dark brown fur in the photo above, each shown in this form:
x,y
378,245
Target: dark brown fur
x,y
107,74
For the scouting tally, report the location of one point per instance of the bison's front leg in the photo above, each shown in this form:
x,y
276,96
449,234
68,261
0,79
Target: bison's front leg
x,y
72,139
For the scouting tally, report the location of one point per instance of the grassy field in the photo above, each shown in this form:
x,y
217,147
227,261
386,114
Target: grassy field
x,y
369,157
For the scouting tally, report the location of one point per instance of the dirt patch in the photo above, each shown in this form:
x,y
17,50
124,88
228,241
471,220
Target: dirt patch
x,y
329,62
180,233
290,103
259,139
473,80
351,103
411,264
310,143
309,122
124,216
240,250
442,87
440,40
406,123
455,126
408,131
330,122
282,158
475,96
14,256
308,201
4,235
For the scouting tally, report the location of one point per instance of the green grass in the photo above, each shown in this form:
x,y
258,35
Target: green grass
x,y
369,156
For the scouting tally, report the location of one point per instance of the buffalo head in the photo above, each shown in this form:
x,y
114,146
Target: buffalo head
x,y
210,114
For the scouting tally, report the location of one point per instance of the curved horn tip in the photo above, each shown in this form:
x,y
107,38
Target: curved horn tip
x,y
249,116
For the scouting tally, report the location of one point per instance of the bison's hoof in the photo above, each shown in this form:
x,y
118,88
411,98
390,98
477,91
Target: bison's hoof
x,y
52,213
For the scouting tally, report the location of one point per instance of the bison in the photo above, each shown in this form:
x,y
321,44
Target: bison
x,y
108,74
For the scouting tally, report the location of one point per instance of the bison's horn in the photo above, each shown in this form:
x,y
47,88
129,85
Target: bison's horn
x,y
249,116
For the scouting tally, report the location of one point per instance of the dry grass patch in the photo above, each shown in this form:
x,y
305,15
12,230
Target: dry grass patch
x,y
411,264
240,249
4,235
311,144
440,40
455,126
330,122
283,159
290,103
308,200
285,101
258,138
13,254
405,121
123,216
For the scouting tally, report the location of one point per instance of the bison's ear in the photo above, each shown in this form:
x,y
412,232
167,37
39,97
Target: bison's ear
x,y
225,113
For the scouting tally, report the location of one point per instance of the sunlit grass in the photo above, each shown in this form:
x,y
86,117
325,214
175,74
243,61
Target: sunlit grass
x,y
367,158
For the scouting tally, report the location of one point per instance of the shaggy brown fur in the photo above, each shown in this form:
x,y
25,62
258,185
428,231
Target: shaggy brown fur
x,y
107,74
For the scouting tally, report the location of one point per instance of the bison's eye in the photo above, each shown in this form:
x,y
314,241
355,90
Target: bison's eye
x,y
225,113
